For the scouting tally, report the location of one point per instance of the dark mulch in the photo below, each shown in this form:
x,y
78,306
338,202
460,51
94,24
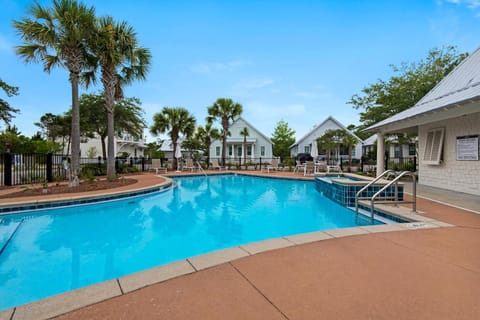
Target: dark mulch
x,y
64,188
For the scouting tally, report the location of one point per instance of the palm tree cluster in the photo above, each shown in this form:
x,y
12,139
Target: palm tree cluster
x,y
179,123
69,34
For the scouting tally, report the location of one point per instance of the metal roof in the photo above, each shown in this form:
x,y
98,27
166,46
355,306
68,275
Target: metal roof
x,y
462,84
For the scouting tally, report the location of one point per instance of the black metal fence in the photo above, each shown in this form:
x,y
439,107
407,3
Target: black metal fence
x,y
31,168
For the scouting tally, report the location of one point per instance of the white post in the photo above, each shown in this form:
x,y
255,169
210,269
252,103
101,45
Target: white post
x,y
380,153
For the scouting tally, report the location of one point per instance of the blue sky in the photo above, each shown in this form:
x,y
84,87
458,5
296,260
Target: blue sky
x,y
299,61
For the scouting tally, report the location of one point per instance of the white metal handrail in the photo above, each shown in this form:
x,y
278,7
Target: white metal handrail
x,y
398,176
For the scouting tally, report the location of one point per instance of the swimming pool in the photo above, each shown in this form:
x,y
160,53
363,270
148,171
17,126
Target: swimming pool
x,y
57,250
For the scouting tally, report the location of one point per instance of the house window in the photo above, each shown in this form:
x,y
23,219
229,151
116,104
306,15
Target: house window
x,y
433,146
249,150
230,150
411,150
239,151
217,151
354,152
262,151
396,151
306,149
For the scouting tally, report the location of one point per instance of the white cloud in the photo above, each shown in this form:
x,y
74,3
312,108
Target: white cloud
x,y
471,4
208,68
255,83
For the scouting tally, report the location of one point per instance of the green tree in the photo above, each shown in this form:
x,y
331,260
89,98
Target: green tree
x,y
121,61
153,150
6,110
225,110
175,122
54,127
128,117
349,142
283,137
244,133
410,82
330,141
206,135
59,36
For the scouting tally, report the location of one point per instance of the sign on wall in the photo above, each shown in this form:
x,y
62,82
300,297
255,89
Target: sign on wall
x,y
467,148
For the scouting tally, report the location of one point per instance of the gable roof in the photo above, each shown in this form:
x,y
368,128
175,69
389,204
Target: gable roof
x,y
330,118
252,127
460,86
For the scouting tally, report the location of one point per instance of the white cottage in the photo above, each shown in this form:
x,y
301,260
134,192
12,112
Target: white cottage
x,y
258,145
304,144
447,121
124,144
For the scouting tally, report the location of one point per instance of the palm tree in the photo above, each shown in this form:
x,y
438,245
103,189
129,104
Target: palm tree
x,y
121,61
225,110
177,121
59,36
244,133
206,135
349,142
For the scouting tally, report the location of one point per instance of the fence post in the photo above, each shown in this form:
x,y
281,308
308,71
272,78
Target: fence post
x,y
49,167
7,169
260,163
341,163
143,164
361,163
414,163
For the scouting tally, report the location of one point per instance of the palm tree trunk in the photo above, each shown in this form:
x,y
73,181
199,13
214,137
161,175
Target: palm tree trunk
x,y
110,146
109,82
75,164
104,147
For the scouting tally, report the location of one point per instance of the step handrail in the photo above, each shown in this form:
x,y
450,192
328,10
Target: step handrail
x,y
414,192
357,196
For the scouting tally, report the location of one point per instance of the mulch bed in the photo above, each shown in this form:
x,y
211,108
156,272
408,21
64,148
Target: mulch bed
x,y
64,188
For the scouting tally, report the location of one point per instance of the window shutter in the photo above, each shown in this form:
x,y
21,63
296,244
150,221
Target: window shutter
x,y
434,146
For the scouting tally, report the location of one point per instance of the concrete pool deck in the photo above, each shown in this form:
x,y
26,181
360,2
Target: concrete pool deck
x,y
365,272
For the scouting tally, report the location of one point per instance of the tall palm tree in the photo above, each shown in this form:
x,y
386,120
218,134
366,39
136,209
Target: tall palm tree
x,y
58,36
244,133
177,121
206,135
121,61
225,110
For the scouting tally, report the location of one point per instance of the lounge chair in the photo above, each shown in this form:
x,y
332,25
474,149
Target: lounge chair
x,y
273,165
189,165
216,165
157,166
299,166
309,168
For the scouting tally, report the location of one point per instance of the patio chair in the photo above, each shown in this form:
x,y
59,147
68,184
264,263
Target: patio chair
x,y
157,166
320,166
216,165
309,168
273,165
189,165
299,166
335,167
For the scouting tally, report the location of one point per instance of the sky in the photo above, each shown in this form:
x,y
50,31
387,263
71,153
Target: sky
x,y
298,61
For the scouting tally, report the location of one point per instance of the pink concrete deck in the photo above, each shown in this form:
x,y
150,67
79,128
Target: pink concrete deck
x,y
414,274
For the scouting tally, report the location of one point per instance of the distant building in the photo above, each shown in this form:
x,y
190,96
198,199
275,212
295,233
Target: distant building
x,y
447,121
395,149
125,144
304,144
258,145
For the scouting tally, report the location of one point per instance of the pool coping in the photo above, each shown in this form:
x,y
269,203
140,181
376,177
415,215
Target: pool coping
x,y
18,207
59,304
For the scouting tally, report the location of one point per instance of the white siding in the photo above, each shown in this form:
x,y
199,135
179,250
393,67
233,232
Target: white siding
x,y
462,176
235,130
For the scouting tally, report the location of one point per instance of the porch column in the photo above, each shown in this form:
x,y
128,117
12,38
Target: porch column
x,y
380,153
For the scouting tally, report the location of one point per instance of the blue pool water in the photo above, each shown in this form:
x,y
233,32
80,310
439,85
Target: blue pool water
x,y
57,250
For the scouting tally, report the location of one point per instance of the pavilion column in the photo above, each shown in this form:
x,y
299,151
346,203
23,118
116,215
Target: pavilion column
x,y
380,153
